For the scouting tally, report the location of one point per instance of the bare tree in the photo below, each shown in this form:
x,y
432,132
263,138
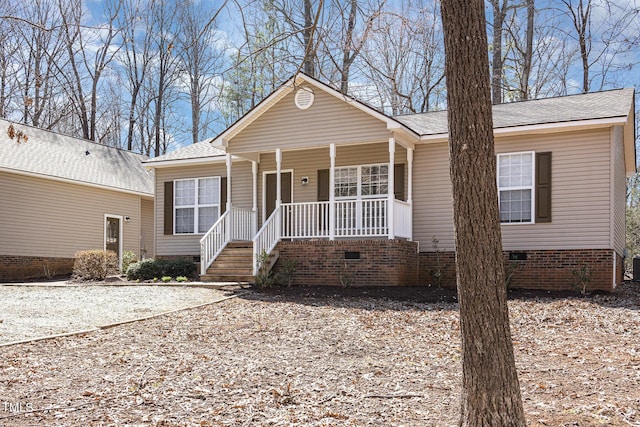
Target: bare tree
x,y
135,59
9,47
490,388
404,59
345,35
603,38
40,58
164,73
499,14
201,60
88,63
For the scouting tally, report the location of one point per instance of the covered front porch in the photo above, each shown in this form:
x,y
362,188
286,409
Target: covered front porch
x,y
372,200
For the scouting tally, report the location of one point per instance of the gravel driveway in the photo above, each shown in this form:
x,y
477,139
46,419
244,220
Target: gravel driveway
x,y
28,312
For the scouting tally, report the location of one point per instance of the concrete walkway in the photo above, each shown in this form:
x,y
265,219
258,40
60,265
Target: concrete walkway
x,y
42,309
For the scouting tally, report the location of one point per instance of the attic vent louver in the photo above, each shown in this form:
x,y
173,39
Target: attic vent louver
x,y
304,98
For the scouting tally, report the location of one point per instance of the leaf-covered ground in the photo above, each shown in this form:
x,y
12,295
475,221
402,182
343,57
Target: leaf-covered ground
x,y
308,358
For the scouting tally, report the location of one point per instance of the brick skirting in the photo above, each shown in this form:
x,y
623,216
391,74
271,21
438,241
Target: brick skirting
x,y
380,262
547,270
15,268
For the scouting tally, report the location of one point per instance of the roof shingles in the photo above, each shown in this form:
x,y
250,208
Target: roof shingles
x,y
52,155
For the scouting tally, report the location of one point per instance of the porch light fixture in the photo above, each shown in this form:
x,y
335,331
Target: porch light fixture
x,y
304,181
304,98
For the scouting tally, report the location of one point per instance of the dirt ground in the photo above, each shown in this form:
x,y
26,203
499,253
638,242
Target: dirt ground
x,y
327,357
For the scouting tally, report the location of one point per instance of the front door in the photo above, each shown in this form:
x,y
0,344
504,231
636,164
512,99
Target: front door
x,y
112,235
270,192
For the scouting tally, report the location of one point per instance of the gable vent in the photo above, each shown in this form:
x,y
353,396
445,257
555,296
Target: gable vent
x,y
304,98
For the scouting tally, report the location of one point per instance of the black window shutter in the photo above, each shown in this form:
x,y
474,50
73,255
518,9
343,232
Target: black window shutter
x,y
168,207
223,194
543,187
398,181
323,185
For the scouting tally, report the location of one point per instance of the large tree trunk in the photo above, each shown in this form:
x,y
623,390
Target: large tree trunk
x,y
490,389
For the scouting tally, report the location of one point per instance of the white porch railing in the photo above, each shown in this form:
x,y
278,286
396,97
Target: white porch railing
x,y
235,224
354,218
361,218
242,224
268,237
305,220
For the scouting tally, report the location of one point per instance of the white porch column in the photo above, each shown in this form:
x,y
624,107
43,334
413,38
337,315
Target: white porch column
x,y
410,189
229,215
332,192
254,221
391,188
278,177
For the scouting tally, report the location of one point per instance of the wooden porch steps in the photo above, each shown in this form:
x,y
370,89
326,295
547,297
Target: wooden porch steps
x,y
234,264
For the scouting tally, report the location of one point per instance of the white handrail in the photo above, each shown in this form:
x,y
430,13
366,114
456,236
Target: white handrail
x,y
268,237
236,224
213,242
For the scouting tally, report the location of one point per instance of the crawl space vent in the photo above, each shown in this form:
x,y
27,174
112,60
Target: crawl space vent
x,y
304,98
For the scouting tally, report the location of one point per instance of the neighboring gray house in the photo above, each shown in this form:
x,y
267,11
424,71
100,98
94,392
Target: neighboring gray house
x,y
359,197
61,195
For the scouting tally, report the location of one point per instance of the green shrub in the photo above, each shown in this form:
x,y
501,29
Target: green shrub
x,y
148,269
128,258
166,279
181,279
94,264
179,267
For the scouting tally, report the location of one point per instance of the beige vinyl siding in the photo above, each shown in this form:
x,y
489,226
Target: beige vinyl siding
x,y
189,244
329,120
308,162
432,205
146,228
47,218
581,208
619,190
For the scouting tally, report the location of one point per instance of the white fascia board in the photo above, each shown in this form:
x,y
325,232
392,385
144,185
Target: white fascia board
x,y
186,162
72,181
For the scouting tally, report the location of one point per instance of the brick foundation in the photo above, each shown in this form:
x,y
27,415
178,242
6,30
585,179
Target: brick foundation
x,y
14,268
547,270
322,262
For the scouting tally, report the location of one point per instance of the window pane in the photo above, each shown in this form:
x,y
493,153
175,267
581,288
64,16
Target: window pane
x,y
208,191
184,220
206,218
515,206
346,181
185,193
374,180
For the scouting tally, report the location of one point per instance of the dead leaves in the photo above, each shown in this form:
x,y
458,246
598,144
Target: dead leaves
x,y
305,361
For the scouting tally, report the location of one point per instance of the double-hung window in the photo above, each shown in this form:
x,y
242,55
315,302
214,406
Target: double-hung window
x,y
516,187
196,204
361,209
362,181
